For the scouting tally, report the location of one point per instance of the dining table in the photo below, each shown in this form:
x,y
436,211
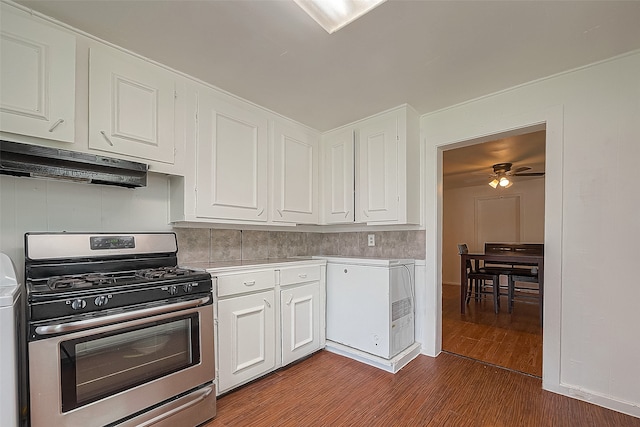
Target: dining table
x,y
510,258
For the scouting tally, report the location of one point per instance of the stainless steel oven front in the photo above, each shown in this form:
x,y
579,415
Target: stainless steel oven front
x,y
149,366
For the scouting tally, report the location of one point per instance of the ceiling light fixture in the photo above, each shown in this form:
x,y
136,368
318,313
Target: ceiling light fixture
x,y
335,14
501,181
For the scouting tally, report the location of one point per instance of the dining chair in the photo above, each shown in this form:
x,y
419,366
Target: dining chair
x,y
526,293
477,278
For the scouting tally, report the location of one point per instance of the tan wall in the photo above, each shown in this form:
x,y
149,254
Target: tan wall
x,y
459,222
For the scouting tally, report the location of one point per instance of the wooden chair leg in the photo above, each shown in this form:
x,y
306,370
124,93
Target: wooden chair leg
x,y
496,294
510,292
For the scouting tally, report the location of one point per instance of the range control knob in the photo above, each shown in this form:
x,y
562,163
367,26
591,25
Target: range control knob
x,y
188,287
78,304
173,290
101,300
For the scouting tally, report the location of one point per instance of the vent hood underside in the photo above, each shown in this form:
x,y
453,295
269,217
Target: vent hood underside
x,y
45,162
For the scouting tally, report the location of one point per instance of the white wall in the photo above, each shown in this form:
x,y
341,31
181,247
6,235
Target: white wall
x,y
592,116
459,223
30,205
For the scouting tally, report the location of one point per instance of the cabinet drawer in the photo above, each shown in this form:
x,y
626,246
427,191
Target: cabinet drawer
x,y
302,274
241,283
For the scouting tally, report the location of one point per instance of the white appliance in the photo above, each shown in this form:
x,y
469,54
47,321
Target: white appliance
x,y
370,304
10,350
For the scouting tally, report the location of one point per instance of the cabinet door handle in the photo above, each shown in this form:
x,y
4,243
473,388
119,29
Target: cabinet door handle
x,y
346,214
106,137
267,302
290,299
302,276
56,124
261,210
279,213
365,213
249,283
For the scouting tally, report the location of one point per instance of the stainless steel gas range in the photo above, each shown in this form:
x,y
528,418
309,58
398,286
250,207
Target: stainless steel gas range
x,y
117,333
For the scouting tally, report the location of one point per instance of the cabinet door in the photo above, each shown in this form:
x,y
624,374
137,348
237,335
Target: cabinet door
x,y
378,170
37,78
300,308
131,106
295,181
231,176
338,169
246,338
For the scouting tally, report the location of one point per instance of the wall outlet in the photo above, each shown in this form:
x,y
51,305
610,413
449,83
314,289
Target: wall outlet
x,y
371,239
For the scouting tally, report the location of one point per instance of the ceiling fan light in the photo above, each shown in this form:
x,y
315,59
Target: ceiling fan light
x,y
504,182
494,183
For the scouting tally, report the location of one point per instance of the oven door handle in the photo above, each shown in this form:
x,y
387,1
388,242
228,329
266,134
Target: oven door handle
x,y
121,317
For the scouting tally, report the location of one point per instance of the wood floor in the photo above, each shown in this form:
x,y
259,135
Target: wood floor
x,y
513,341
331,390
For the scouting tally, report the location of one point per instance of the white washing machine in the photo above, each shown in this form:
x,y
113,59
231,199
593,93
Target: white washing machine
x,y
11,349
370,304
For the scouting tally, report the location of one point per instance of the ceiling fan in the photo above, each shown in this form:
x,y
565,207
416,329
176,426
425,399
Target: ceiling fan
x,y
502,172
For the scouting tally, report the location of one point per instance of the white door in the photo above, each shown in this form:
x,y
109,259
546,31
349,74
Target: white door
x,y
295,175
300,308
246,338
338,169
231,161
37,78
131,106
378,170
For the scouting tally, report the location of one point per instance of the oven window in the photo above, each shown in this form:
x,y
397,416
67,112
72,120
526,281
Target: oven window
x,y
98,366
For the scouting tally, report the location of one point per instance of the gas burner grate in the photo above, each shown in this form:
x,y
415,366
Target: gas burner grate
x,y
82,281
163,273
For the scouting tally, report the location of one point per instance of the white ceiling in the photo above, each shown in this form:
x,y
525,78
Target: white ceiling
x,y
429,54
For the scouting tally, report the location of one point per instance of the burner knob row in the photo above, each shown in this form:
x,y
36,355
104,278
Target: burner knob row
x,y
173,289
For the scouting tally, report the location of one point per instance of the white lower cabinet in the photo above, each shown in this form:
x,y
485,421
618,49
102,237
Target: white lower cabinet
x,y
266,318
246,338
300,316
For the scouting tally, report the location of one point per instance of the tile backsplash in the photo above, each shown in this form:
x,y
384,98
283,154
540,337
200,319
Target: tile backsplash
x,y
211,245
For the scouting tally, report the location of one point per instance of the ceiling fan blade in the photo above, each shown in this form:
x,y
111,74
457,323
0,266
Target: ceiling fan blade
x,y
521,169
530,174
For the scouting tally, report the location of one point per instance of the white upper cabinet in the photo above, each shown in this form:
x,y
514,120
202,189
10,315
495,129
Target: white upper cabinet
x,y
131,106
338,177
377,179
37,78
231,164
295,175
371,170
388,168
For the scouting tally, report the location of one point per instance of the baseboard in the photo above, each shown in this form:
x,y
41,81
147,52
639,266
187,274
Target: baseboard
x,y
392,365
628,408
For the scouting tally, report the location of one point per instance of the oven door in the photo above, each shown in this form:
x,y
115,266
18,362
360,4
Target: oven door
x,y
134,361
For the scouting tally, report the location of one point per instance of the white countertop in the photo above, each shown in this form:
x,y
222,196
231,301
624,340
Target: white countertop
x,y
251,263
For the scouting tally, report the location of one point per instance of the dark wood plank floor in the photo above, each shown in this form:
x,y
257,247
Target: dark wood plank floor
x,y
513,341
331,390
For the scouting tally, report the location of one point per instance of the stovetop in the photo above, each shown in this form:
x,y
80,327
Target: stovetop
x,y
112,279
71,274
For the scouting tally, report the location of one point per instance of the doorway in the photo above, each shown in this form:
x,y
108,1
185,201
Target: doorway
x,y
475,213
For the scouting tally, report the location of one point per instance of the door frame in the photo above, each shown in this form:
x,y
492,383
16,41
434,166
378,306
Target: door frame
x,y
551,120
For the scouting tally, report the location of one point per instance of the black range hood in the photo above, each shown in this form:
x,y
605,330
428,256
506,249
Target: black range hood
x,y
45,162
